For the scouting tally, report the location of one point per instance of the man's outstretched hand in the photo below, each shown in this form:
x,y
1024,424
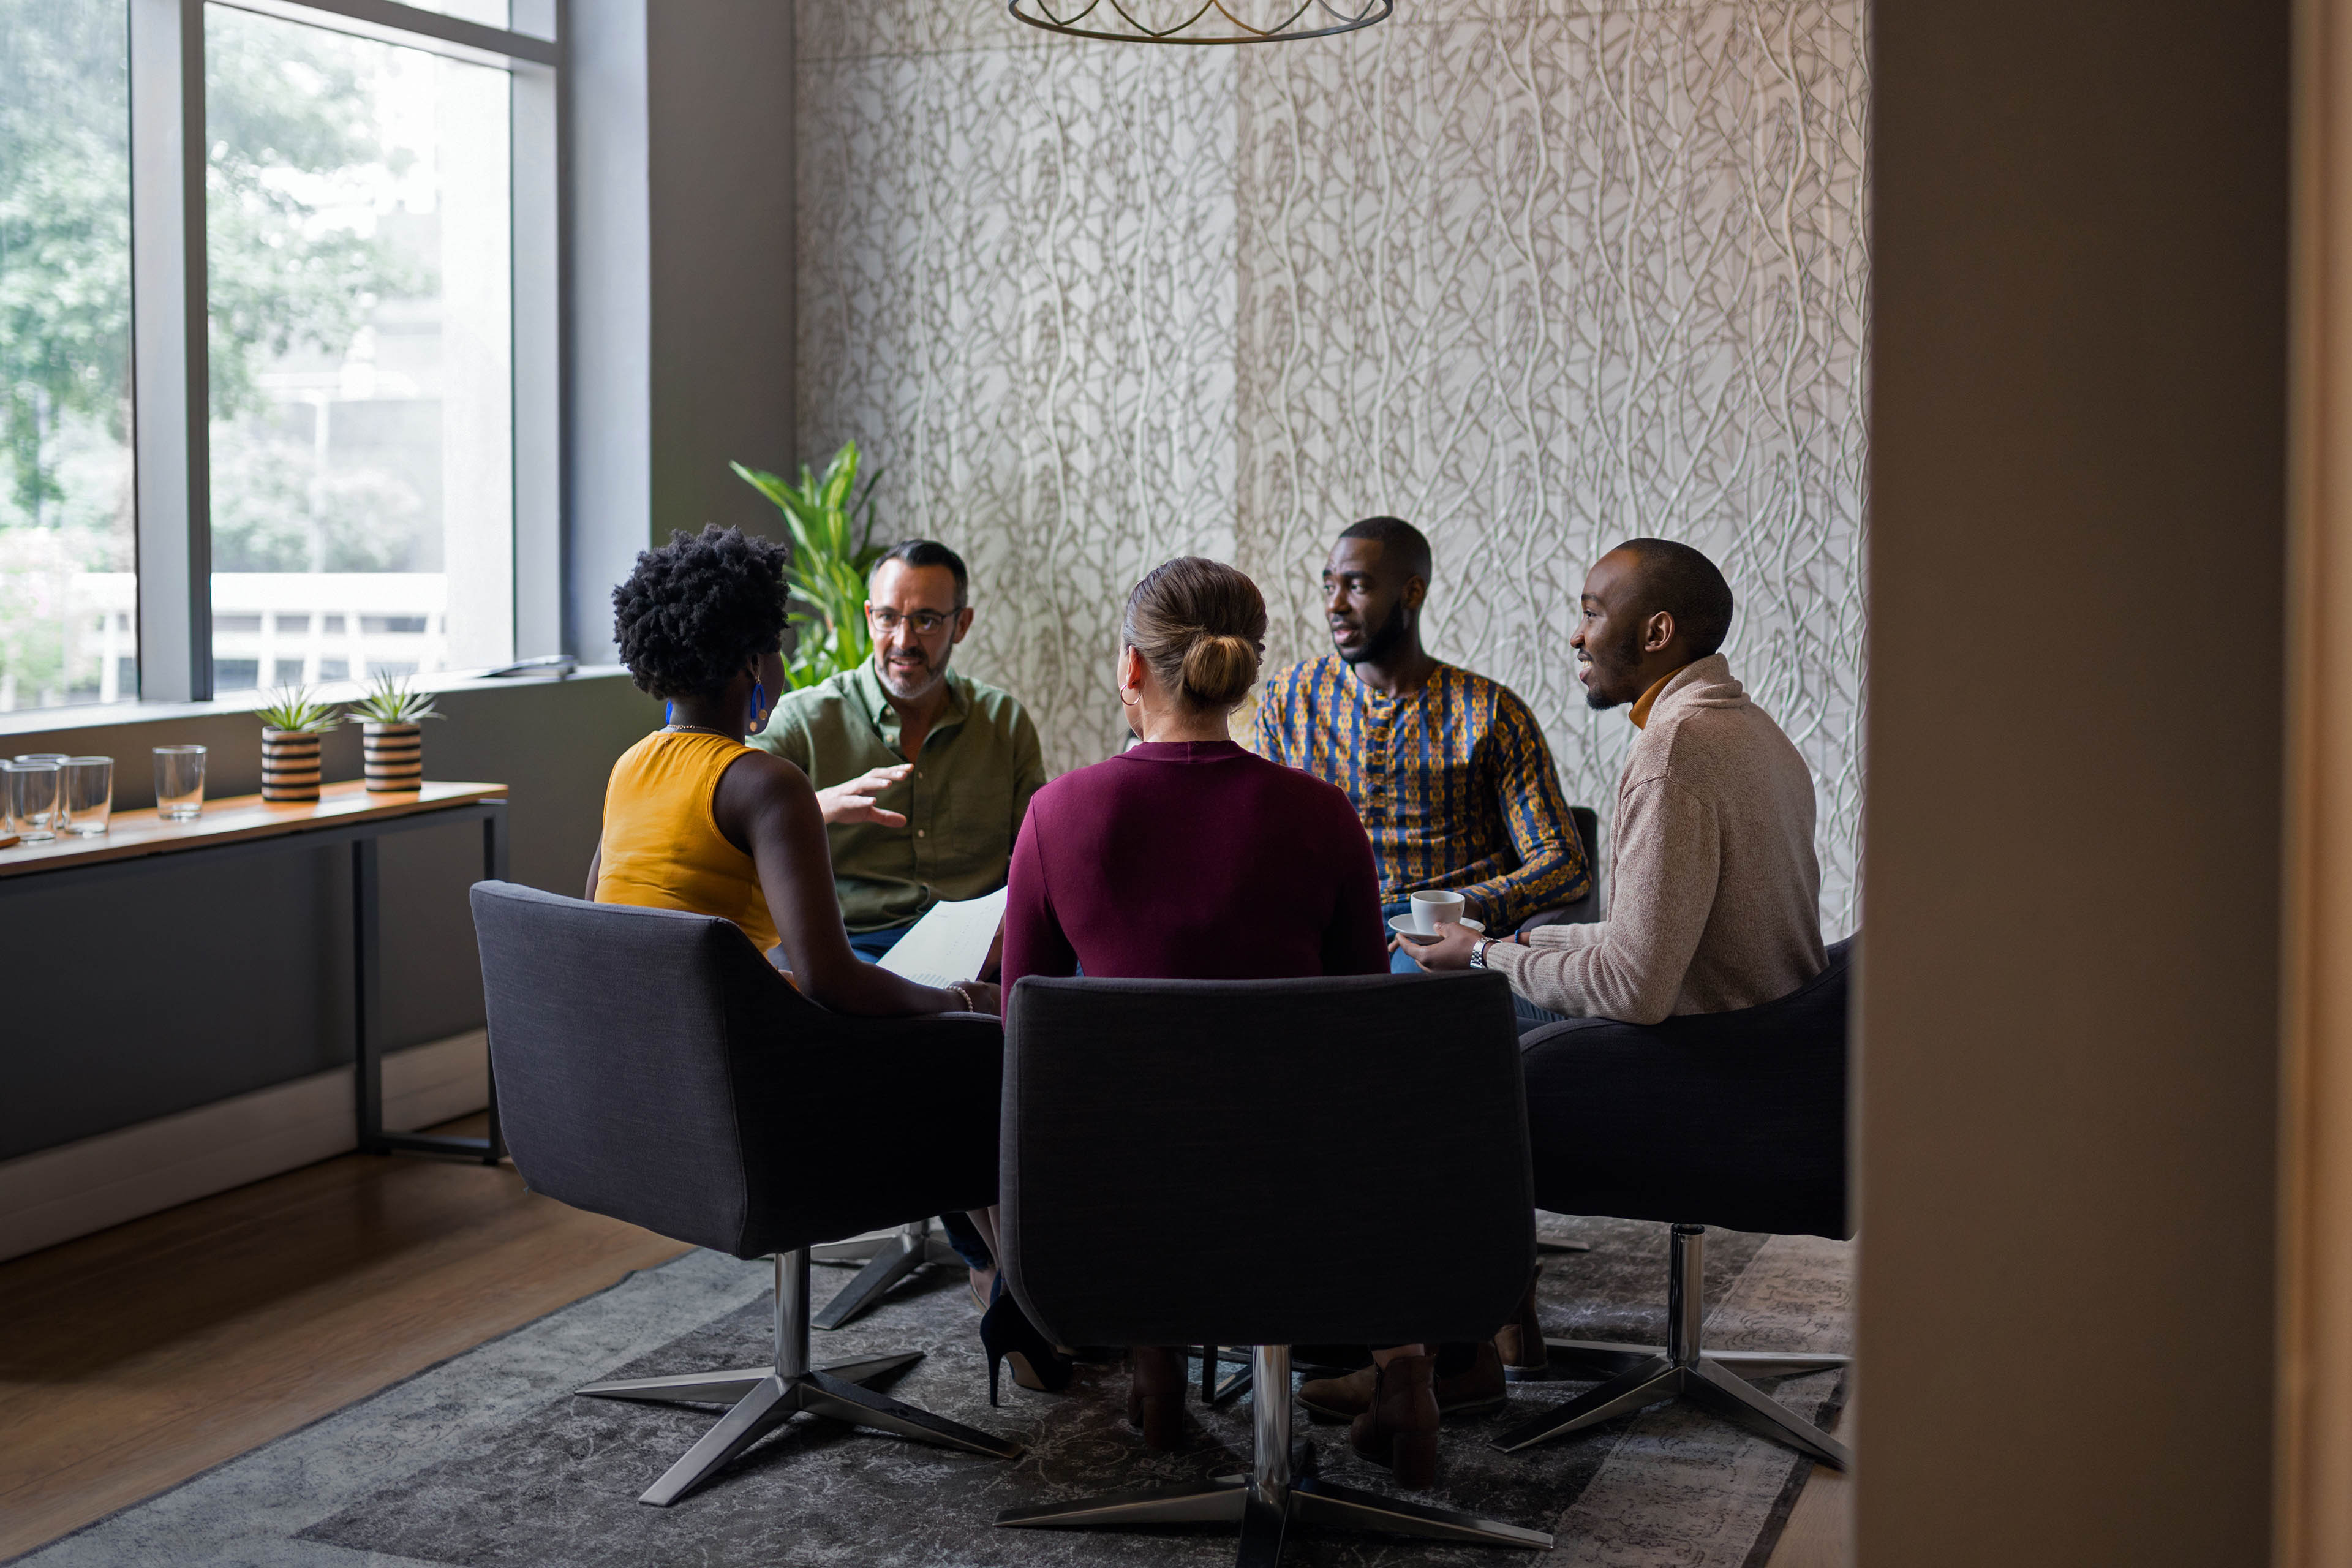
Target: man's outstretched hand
x,y
845,804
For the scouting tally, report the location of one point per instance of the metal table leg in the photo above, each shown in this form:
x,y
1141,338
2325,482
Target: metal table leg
x,y
367,987
367,980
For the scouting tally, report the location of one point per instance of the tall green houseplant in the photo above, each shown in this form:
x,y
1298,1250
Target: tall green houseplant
x,y
833,552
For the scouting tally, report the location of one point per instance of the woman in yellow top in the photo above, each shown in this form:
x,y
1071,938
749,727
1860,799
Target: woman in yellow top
x,y
695,820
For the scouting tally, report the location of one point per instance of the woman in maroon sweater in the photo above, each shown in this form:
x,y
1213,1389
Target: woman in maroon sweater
x,y
1265,848
1145,866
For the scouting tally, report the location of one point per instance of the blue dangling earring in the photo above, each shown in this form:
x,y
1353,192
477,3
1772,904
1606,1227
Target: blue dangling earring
x,y
669,710
758,705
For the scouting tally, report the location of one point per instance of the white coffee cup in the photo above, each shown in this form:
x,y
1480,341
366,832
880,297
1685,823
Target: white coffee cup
x,y
1431,911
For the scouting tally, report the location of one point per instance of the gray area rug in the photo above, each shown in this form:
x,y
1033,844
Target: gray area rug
x,y
487,1459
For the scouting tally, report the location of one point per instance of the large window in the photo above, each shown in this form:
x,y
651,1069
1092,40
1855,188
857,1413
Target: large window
x,y
357,221
330,370
68,599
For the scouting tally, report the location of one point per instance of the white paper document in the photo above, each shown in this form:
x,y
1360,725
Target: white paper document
x,y
948,944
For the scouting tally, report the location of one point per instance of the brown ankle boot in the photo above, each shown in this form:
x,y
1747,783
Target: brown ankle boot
x,y
1476,1389
1401,1428
1520,1342
1155,1396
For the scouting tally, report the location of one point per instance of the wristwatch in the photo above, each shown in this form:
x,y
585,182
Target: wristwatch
x,y
1478,952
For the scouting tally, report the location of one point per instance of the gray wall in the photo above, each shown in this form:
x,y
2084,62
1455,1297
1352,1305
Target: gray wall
x,y
177,986
721,94
2070,1017
679,185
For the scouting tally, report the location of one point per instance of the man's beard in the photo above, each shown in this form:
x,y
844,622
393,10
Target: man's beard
x,y
925,684
1385,641
1604,660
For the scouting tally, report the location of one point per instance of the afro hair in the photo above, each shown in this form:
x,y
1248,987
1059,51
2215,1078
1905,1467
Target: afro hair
x,y
698,609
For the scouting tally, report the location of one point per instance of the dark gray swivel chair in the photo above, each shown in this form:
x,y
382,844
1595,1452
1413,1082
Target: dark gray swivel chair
x,y
1586,910
653,1066
1583,911
1734,1119
1146,1203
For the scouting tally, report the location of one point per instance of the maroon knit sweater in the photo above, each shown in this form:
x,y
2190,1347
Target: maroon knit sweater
x,y
1192,861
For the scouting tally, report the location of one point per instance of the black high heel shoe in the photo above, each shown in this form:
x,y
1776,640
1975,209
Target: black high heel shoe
x,y
1007,1334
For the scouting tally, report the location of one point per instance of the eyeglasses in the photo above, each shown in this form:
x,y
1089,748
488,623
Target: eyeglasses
x,y
925,622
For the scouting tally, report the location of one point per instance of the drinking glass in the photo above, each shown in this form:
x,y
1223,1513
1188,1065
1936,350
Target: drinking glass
x,y
179,783
89,795
55,820
32,798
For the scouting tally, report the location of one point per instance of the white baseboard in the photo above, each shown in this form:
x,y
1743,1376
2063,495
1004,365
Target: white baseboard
x,y
76,1188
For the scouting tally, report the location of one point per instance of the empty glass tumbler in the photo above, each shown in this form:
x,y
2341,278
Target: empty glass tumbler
x,y
179,783
31,786
88,799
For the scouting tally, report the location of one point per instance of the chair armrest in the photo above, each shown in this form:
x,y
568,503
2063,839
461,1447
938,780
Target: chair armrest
x,y
1584,911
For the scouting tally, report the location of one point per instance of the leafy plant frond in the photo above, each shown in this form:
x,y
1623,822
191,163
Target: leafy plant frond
x,y
293,708
831,521
391,699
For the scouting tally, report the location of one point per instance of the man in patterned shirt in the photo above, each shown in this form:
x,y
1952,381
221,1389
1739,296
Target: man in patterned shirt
x,y
1447,769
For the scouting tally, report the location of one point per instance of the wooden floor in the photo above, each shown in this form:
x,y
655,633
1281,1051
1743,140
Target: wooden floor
x,y
1820,1532
133,1359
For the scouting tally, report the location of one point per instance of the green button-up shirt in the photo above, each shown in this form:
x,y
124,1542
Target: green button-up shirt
x,y
964,803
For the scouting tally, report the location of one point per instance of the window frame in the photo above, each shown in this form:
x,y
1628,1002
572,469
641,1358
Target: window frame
x,y
170,373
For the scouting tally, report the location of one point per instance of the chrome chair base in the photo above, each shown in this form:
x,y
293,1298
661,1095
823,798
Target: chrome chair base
x,y
766,1397
1267,1502
888,1259
1638,1376
1584,1360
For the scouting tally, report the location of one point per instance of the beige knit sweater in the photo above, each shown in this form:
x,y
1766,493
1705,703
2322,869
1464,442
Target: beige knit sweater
x,y
1713,891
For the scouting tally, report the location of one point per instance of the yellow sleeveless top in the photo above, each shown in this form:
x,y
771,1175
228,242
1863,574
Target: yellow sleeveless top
x,y
661,846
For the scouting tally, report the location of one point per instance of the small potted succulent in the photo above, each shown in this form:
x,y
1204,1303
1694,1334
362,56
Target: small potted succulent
x,y
291,724
392,738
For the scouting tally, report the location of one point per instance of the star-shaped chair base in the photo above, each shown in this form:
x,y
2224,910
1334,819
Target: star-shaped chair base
x,y
766,1397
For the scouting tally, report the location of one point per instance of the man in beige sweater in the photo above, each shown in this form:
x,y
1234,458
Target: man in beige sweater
x,y
1713,889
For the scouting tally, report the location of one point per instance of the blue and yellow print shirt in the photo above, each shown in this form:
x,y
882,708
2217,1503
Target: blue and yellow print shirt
x,y
1454,782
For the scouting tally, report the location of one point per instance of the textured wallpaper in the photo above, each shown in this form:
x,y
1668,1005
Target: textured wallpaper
x,y
1537,275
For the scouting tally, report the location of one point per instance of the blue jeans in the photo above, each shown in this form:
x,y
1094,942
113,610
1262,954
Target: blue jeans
x,y
1401,960
870,945
965,1238
1530,1016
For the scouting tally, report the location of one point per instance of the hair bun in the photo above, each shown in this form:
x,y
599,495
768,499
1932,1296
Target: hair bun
x,y
1218,669
1199,624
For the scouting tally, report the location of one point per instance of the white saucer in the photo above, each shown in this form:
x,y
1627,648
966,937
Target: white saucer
x,y
1402,926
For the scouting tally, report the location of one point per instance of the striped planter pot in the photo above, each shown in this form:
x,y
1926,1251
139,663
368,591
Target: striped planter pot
x,y
289,764
393,756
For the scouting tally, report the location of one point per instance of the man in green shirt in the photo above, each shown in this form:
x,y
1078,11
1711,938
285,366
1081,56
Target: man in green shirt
x,y
924,775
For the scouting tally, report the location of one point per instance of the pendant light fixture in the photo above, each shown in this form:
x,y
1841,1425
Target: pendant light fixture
x,y
1201,21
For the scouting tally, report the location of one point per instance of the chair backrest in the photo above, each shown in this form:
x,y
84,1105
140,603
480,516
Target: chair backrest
x,y
652,1066
1265,1161
1736,1119
1586,910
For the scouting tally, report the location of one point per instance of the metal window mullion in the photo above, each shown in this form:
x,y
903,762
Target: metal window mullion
x,y
169,396
387,21
537,375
